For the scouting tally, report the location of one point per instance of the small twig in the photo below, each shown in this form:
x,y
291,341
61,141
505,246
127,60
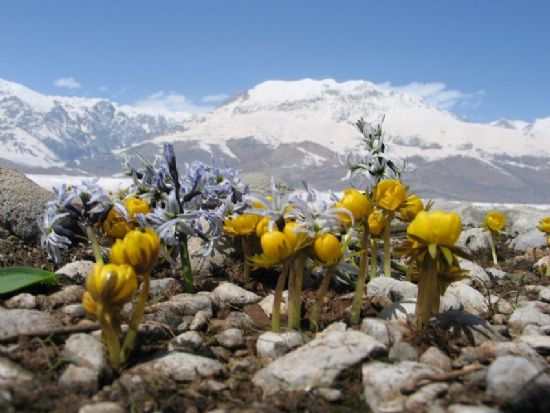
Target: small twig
x,y
424,379
53,331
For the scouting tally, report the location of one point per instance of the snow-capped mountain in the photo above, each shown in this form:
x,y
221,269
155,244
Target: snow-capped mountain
x,y
39,131
292,129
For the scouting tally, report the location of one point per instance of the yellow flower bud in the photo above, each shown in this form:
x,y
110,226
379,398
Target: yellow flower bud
x,y
136,206
110,285
115,225
276,245
495,221
544,225
262,226
390,194
327,248
292,236
377,222
355,202
413,205
241,224
138,249
437,227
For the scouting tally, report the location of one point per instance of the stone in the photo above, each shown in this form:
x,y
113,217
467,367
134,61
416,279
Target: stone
x,y
188,341
77,271
267,303
384,331
436,358
180,367
21,204
504,307
79,379
470,300
474,329
475,273
200,321
23,300
539,343
463,408
490,350
533,238
541,264
231,338
527,313
238,319
21,321
544,295
102,407
272,345
317,363
383,291
382,383
165,287
172,312
401,311
185,323
86,351
474,239
74,310
496,273
402,351
68,295
329,394
423,398
11,374
227,294
501,385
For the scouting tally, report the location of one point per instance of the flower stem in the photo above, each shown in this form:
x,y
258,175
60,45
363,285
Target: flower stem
x,y
387,252
136,318
95,245
110,336
276,312
373,259
246,254
493,248
296,299
428,299
548,265
321,292
361,277
186,265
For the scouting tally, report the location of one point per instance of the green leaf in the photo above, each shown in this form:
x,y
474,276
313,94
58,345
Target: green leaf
x,y
448,255
432,249
16,278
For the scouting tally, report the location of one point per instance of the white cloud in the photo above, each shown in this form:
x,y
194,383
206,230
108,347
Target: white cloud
x,y
170,102
438,94
68,82
214,98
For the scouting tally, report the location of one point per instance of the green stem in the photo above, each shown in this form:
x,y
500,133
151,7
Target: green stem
x,y
246,254
428,299
294,318
95,245
373,259
130,338
110,336
387,252
493,248
276,313
321,292
548,267
186,266
361,277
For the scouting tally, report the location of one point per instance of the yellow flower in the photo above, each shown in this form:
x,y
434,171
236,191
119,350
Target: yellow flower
x,y
495,221
355,202
292,236
136,206
544,225
109,285
376,222
240,225
115,225
138,249
262,226
327,248
276,245
437,227
390,194
413,205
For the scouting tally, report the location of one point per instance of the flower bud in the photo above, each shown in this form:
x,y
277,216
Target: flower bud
x,y
355,202
413,205
110,285
495,221
115,225
390,194
276,245
136,206
544,225
241,224
327,248
138,249
376,222
437,227
262,227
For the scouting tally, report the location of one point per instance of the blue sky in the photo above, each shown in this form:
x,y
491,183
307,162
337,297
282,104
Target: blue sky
x,y
483,59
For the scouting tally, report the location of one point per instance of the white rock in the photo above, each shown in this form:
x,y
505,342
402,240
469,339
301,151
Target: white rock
x,y
527,313
102,407
200,320
544,295
238,319
530,239
384,290
231,338
79,379
12,374
463,408
402,311
68,295
228,294
185,323
172,312
436,358
329,394
495,273
267,303
475,239
402,351
422,399
541,264
471,300
20,321
164,286
538,343
339,326
74,310
384,331
502,385
179,367
23,300
86,351
190,340
475,272
77,270
272,345
383,382
318,362
490,350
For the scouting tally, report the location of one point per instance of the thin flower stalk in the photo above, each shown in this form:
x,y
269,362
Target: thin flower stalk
x,y
277,299
320,297
387,246
361,278
295,291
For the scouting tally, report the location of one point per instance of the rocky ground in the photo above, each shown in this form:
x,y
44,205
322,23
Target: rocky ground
x,y
488,351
